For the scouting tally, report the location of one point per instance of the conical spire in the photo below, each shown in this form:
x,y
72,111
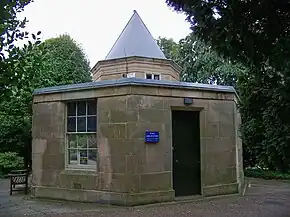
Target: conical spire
x,y
135,40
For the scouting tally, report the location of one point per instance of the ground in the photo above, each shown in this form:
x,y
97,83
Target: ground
x,y
262,198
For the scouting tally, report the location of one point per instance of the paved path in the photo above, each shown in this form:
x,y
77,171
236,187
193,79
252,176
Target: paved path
x,y
262,199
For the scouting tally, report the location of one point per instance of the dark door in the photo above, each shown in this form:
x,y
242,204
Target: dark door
x,y
186,153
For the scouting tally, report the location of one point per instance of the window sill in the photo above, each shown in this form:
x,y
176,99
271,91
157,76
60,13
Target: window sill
x,y
79,171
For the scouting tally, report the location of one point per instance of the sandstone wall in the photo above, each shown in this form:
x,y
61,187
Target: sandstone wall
x,y
128,170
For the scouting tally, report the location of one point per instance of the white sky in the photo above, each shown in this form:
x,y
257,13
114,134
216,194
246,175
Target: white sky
x,y
96,24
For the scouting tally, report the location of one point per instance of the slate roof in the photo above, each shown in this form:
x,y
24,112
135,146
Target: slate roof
x,y
134,82
135,40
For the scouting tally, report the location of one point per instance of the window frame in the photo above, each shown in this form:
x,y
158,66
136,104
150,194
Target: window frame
x,y
79,166
152,74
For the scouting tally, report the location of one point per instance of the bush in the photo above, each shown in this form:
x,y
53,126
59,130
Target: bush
x,y
10,161
266,174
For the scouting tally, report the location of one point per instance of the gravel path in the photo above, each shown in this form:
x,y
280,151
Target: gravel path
x,y
262,199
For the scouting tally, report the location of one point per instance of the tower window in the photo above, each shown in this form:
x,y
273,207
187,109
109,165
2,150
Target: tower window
x,y
156,77
148,76
152,76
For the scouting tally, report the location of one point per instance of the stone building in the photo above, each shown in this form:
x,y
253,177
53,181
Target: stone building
x,y
136,134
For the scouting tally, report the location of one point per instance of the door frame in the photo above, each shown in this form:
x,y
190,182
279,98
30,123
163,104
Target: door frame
x,y
202,121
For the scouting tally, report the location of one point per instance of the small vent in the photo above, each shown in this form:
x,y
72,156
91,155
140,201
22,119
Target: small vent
x,y
77,185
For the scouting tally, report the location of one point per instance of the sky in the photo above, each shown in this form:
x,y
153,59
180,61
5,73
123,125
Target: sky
x,y
96,24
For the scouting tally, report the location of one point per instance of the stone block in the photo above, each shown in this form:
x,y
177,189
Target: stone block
x,y
156,181
141,90
117,163
211,130
66,194
47,97
37,161
218,145
152,160
78,180
49,177
113,102
115,147
154,116
39,146
186,93
118,182
144,102
55,146
167,162
150,197
215,175
223,189
114,131
79,94
36,176
103,115
48,120
134,164
122,116
220,159
53,161
164,92
227,130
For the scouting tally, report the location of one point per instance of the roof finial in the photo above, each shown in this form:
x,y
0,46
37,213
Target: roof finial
x,y
134,11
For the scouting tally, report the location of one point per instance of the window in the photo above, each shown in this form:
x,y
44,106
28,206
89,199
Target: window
x,y
156,77
152,76
81,134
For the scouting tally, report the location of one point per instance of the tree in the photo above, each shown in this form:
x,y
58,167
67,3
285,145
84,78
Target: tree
x,y
11,56
252,31
65,62
56,61
256,33
200,63
169,47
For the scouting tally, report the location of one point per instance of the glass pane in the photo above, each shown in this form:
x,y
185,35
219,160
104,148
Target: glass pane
x,y
71,109
92,124
92,157
72,141
81,124
92,141
156,77
82,108
83,157
72,157
71,124
92,108
148,76
82,141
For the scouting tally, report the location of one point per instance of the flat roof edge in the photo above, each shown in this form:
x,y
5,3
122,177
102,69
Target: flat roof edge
x,y
133,82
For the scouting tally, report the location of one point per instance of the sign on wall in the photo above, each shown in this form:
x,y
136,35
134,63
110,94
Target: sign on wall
x,y
131,75
151,137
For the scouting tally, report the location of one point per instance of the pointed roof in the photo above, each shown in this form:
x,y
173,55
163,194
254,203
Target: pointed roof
x,y
135,40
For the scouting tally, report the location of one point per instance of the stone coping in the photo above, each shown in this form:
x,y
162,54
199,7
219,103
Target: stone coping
x,y
134,82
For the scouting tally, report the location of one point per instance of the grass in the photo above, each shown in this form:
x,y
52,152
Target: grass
x,y
266,174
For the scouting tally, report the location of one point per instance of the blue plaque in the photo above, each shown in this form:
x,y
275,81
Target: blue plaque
x,y
151,137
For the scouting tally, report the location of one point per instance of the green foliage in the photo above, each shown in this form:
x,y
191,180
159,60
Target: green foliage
x,y
11,56
252,31
266,174
200,63
256,34
54,62
10,161
65,62
169,47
